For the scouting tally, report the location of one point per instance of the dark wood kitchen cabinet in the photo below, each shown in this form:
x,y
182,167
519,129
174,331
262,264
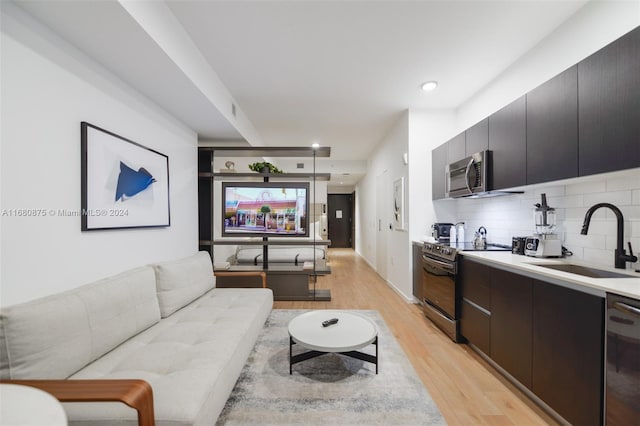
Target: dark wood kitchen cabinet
x,y
552,129
456,148
508,145
475,309
477,138
548,337
568,342
609,107
417,271
438,165
511,323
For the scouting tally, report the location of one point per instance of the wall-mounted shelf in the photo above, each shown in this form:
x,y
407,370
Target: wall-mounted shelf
x,y
275,242
274,176
269,151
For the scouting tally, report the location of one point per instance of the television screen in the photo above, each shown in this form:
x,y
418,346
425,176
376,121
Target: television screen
x,y
265,209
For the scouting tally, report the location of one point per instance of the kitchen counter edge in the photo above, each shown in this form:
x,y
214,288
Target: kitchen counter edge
x,y
507,261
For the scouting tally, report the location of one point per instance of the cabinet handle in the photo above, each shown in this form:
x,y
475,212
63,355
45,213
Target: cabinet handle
x,y
627,308
466,175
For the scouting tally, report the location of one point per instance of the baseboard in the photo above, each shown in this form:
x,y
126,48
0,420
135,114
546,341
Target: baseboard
x,y
411,299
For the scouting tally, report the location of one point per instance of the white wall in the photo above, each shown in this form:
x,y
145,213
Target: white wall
x,y
386,158
592,27
48,88
427,130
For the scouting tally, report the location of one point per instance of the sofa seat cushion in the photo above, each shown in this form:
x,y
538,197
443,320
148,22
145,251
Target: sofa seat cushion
x,y
179,282
191,359
53,337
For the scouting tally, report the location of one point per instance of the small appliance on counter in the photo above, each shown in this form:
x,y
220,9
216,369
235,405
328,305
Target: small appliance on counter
x,y
480,239
518,244
441,231
545,242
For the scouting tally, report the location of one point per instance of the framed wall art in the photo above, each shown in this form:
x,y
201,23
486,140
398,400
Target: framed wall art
x,y
123,184
398,204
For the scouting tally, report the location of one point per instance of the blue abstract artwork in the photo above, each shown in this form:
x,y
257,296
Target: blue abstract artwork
x,y
132,182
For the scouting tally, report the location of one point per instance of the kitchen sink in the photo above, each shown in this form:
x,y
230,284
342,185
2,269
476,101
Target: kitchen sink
x,y
585,271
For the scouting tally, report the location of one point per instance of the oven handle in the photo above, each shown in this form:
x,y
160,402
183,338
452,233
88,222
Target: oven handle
x,y
449,267
627,308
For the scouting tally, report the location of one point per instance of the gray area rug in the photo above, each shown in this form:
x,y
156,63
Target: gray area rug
x,y
329,390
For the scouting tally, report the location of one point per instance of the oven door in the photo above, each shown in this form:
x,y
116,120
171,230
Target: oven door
x,y
439,285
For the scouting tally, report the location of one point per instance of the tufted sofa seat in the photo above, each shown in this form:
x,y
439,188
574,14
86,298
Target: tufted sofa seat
x,y
166,324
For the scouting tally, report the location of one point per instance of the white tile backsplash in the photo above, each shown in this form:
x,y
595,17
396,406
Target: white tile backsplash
x,y
512,215
586,187
618,198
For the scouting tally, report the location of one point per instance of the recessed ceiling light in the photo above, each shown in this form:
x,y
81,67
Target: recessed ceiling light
x,y
429,86
315,145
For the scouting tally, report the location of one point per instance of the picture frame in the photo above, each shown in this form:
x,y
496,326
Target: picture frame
x,y
398,204
123,183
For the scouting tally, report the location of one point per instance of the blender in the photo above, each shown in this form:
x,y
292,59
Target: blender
x,y
545,242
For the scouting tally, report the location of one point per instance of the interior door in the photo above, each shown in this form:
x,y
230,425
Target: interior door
x,y
382,223
340,219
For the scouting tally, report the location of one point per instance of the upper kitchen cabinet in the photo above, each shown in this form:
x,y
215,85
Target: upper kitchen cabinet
x,y
456,148
438,166
552,129
508,145
477,138
609,109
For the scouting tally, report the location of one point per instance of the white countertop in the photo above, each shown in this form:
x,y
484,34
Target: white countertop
x,y
525,265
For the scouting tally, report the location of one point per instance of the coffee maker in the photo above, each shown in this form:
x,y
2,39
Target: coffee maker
x,y
545,242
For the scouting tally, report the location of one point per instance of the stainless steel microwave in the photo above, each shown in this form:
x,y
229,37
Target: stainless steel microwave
x,y
468,176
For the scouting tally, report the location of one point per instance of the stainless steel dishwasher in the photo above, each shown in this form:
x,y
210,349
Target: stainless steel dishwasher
x,y
622,402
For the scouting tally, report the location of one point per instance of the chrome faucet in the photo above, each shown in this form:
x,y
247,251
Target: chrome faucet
x,y
621,257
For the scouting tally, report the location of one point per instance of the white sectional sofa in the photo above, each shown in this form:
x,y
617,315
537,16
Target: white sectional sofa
x,y
163,323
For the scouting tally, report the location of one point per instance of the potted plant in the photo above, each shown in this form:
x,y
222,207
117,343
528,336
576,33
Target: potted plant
x,y
264,167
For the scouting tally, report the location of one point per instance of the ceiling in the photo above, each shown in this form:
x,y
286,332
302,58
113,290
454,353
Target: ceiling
x,y
339,73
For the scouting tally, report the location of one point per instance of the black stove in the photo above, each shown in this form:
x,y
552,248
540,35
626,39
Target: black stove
x,y
489,247
447,251
440,298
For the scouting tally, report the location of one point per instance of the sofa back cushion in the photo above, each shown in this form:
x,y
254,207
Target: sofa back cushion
x,y
180,282
53,337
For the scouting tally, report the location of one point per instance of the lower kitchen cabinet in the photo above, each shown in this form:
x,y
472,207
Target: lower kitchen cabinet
x,y
511,323
548,337
475,326
417,271
475,308
568,357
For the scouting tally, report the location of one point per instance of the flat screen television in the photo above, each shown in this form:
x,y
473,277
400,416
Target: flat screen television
x,y
267,209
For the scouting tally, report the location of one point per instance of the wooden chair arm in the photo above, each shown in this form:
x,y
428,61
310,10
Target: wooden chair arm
x,y
243,274
137,394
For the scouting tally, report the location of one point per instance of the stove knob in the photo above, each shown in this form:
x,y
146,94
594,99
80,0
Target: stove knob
x,y
446,251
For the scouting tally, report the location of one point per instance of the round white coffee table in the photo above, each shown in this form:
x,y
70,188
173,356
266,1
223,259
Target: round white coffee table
x,y
350,333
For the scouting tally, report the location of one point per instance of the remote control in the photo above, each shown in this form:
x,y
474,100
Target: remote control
x,y
329,322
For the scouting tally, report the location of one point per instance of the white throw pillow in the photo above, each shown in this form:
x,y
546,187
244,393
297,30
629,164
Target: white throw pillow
x,y
179,282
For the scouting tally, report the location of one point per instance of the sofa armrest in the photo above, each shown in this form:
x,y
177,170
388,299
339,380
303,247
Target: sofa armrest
x,y
137,394
261,274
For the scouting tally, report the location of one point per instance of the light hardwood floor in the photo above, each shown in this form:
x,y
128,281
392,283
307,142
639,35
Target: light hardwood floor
x,y
466,389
